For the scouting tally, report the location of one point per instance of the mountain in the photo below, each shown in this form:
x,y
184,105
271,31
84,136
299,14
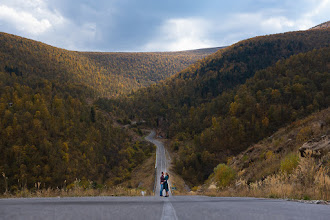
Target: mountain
x,y
206,79
147,68
289,90
51,135
107,74
51,132
235,97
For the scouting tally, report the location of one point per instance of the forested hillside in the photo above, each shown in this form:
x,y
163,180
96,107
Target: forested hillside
x,y
225,69
31,58
147,68
107,74
233,98
274,97
49,135
291,163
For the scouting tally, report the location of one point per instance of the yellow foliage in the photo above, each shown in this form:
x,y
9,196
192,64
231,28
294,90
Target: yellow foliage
x,y
289,163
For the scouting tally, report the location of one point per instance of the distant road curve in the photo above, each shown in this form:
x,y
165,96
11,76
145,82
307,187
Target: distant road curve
x,y
161,162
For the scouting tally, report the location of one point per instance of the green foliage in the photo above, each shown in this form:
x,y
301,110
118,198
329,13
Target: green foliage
x,y
272,196
306,197
289,163
245,158
224,175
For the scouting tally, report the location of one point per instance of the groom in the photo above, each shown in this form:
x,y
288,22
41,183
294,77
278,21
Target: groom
x,y
162,179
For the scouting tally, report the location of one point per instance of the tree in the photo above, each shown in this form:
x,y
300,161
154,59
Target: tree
x,y
93,114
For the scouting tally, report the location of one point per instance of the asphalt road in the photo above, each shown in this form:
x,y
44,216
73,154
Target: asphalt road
x,y
156,207
161,160
176,207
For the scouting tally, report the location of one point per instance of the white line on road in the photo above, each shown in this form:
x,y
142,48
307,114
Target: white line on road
x,y
169,212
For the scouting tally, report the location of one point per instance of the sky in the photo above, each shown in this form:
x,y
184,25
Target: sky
x,y
155,25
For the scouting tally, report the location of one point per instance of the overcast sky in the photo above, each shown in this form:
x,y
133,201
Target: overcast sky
x,y
155,25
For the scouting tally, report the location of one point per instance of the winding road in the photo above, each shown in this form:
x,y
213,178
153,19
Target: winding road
x,y
156,207
161,161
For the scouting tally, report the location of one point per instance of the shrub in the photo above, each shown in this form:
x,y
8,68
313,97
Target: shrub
x,y
175,146
289,163
194,189
224,175
306,197
304,134
269,155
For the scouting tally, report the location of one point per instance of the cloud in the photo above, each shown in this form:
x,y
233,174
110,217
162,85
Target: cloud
x,y
320,6
192,33
226,28
126,25
180,34
318,12
30,17
23,21
35,19
239,26
260,21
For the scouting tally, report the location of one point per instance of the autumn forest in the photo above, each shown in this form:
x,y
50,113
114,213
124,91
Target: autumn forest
x,y
63,113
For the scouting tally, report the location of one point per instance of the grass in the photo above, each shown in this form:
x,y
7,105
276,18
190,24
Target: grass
x,y
77,192
307,181
289,163
143,176
273,167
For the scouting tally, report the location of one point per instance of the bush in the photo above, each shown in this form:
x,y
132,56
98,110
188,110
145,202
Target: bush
x,y
224,175
306,197
304,134
289,163
194,189
175,146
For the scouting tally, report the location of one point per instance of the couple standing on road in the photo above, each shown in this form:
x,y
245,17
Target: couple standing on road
x,y
164,183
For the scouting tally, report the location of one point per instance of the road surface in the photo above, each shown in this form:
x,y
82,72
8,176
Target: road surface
x,y
161,161
156,207
152,207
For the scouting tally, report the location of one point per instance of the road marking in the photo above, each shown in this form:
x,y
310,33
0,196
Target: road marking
x,y
168,211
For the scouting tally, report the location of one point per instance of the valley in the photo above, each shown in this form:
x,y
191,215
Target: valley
x,y
76,121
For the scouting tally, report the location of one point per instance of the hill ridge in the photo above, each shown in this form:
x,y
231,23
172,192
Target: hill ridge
x,y
322,26
108,74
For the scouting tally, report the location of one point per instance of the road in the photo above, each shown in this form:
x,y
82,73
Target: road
x,y
152,207
156,207
161,161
